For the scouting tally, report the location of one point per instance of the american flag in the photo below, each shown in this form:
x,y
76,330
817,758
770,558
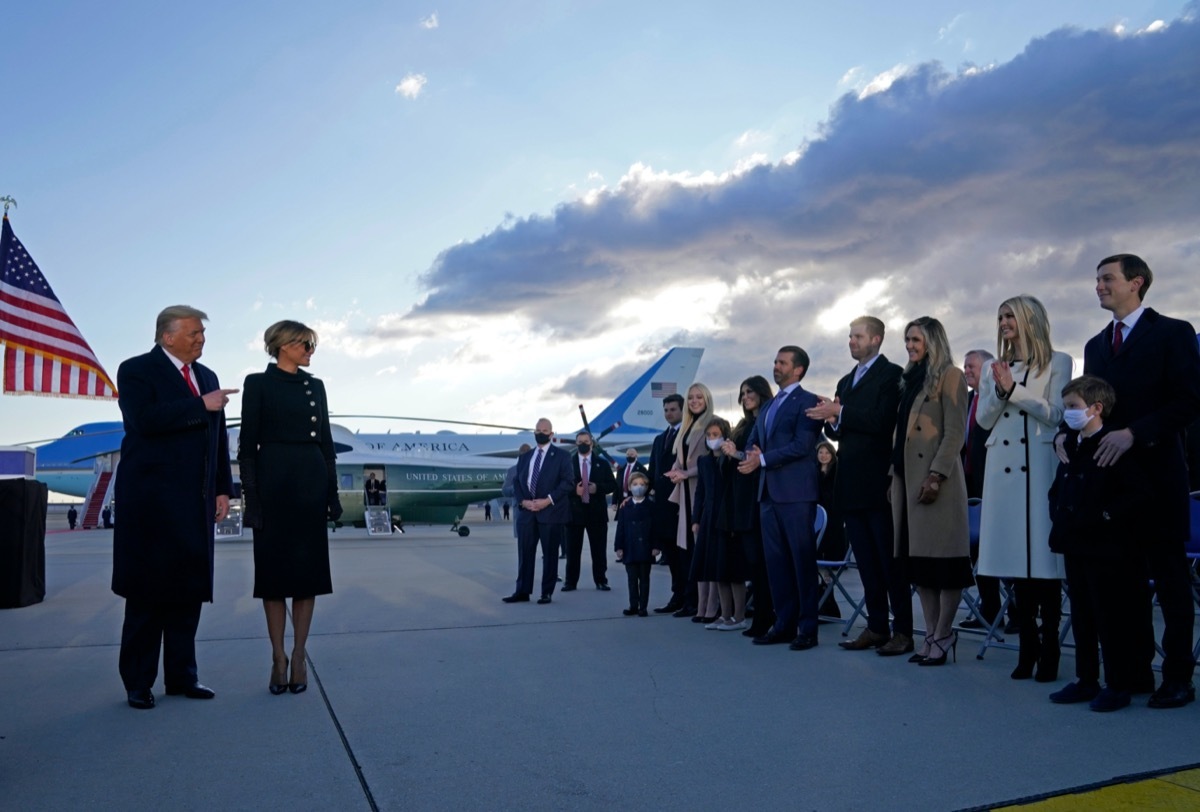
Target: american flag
x,y
661,390
44,353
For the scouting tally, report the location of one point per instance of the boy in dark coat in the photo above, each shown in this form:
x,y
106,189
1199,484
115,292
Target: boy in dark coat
x,y
1096,511
634,543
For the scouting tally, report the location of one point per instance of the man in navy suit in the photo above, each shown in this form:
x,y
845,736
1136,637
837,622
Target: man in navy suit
x,y
862,418
1153,364
783,448
543,484
173,483
594,483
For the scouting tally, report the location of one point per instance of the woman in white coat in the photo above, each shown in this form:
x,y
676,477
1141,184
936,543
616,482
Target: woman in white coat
x,y
1020,400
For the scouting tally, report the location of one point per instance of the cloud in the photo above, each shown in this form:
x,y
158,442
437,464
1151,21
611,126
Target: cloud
x,y
388,370
942,193
947,29
752,138
430,22
411,85
882,81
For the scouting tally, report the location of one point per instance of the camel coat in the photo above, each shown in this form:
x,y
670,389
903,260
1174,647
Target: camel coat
x,y
684,494
936,425
1014,531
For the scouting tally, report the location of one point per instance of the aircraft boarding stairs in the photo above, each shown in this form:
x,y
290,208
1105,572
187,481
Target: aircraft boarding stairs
x,y
96,499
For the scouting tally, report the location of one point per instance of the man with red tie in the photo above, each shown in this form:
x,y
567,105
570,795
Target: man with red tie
x,y
1153,364
974,463
172,484
624,472
594,482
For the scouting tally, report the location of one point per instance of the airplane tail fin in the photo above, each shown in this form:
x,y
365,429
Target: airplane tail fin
x,y
639,408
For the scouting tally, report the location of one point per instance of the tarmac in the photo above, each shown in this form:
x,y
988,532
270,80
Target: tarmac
x,y
428,693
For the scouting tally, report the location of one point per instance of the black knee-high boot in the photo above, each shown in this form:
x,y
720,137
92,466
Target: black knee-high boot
x,y
1026,615
1050,600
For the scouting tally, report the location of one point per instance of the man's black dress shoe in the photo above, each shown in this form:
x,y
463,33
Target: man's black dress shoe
x,y
1074,692
193,691
803,642
568,588
516,597
684,611
543,599
604,587
671,606
971,623
1109,700
142,699
643,613
772,638
630,612
1173,694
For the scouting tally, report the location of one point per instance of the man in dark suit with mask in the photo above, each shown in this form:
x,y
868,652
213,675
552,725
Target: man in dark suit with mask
x,y
594,483
543,484
173,483
627,469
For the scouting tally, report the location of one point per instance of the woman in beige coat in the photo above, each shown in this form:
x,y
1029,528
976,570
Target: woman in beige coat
x,y
689,445
1020,402
929,492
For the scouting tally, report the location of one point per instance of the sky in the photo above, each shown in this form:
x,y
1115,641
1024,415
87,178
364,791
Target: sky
x,y
497,211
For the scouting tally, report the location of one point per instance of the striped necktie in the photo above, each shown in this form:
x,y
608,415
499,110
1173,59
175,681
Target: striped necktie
x,y
537,469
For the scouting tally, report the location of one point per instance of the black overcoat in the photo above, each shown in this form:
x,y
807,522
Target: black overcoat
x,y
174,463
1156,375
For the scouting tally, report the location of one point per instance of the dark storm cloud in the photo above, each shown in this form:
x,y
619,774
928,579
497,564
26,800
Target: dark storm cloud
x,y
963,188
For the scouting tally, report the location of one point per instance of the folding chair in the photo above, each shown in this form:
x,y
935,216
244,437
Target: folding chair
x,y
837,568
992,627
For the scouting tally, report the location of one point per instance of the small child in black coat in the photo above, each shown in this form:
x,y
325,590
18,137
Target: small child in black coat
x,y
1095,511
634,543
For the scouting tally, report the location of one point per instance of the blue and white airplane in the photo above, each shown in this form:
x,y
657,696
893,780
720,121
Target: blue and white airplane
x,y
430,477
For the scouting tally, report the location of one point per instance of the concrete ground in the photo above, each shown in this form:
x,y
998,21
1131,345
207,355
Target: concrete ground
x,y
427,692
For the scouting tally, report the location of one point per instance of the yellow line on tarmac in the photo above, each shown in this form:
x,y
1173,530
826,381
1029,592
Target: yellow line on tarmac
x,y
1171,791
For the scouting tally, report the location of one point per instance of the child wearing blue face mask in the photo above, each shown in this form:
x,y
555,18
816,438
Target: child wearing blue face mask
x,y
1095,512
634,543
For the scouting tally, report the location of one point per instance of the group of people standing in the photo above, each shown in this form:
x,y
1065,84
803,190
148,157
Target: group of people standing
x,y
175,480
1095,493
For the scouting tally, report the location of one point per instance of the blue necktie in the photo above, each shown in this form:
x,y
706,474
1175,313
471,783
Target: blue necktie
x,y
537,469
771,410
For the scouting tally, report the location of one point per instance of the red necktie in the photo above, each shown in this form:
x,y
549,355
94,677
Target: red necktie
x,y
1118,337
583,467
187,376
970,424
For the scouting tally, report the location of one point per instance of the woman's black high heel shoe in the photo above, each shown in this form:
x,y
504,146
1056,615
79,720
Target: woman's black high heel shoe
x,y
278,684
295,686
952,639
917,658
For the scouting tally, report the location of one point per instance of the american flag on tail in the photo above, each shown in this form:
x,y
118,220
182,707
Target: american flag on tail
x,y
44,353
661,390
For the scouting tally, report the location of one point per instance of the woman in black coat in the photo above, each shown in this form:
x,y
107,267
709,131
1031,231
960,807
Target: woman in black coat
x,y
289,492
744,516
